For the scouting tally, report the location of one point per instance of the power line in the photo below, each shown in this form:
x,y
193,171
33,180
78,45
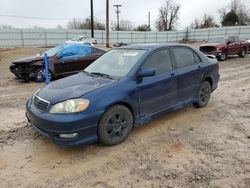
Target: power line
x,y
29,17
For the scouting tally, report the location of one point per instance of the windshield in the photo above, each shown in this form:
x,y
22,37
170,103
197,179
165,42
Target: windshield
x,y
116,63
54,51
217,40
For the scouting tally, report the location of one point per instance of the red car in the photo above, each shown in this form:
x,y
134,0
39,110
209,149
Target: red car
x,y
222,47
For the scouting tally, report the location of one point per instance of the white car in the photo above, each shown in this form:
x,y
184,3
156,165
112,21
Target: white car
x,y
82,40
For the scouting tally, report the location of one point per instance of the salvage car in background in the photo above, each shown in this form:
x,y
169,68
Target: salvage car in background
x,y
63,60
82,40
126,87
222,47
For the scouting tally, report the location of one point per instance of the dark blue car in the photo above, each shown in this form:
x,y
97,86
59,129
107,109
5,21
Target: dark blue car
x,y
126,87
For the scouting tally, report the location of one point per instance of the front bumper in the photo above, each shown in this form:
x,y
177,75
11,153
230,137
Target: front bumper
x,y
51,125
215,53
21,71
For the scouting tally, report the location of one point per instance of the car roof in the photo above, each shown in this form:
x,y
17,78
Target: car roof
x,y
152,46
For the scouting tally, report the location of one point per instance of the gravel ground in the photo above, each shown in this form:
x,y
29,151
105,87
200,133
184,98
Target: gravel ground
x,y
208,147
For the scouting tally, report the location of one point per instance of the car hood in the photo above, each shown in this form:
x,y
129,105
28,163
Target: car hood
x,y
72,87
29,59
213,44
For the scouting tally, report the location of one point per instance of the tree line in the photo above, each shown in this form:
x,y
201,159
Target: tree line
x,y
234,14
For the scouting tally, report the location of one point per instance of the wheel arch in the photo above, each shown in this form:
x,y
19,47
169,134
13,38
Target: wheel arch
x,y
126,104
210,80
123,103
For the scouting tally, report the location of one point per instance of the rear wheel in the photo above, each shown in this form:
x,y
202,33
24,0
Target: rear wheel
x,y
203,94
115,125
243,52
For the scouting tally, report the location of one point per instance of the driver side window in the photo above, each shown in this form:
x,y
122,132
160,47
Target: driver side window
x,y
160,61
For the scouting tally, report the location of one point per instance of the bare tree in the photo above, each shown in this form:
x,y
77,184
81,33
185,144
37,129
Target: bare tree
x,y
235,13
143,27
168,16
195,24
76,23
7,27
206,22
124,25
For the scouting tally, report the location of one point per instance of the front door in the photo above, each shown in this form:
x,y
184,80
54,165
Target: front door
x,y
160,91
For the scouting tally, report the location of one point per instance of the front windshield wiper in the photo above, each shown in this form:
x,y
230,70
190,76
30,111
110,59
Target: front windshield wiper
x,y
86,72
101,74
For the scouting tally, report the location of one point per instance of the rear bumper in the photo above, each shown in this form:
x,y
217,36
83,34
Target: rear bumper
x,y
216,82
52,125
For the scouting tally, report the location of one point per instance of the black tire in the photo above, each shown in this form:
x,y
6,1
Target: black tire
x,y
115,125
40,75
204,94
223,56
243,52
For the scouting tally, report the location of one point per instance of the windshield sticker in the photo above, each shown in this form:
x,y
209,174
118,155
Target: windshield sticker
x,y
133,54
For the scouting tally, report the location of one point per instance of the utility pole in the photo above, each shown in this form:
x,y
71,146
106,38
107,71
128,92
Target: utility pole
x,y
117,13
92,18
149,21
107,23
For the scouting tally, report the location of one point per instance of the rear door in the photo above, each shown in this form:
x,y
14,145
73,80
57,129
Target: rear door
x,y
190,72
160,91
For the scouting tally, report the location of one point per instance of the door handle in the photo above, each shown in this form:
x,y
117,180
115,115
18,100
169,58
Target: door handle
x,y
172,74
199,67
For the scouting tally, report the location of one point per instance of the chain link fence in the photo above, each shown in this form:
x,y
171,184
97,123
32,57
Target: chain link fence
x,y
52,37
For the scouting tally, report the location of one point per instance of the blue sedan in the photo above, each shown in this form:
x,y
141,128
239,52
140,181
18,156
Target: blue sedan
x,y
124,88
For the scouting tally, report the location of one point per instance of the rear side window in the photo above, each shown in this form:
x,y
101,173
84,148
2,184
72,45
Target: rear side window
x,y
160,61
197,58
184,57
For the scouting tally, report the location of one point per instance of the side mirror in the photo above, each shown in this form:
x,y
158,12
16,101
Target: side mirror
x,y
146,73
228,42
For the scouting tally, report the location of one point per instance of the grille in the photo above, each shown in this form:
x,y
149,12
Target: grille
x,y
40,103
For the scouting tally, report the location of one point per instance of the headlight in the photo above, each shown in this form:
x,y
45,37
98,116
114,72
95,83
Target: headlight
x,y
70,106
36,92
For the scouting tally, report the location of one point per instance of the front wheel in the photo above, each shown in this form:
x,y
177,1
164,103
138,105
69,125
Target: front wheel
x,y
223,56
40,75
115,125
203,94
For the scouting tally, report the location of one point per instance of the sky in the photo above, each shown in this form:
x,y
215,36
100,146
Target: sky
x,y
50,13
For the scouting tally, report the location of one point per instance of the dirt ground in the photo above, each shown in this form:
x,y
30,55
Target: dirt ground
x,y
208,147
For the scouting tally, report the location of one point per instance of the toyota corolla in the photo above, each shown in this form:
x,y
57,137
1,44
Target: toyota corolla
x,y
124,88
